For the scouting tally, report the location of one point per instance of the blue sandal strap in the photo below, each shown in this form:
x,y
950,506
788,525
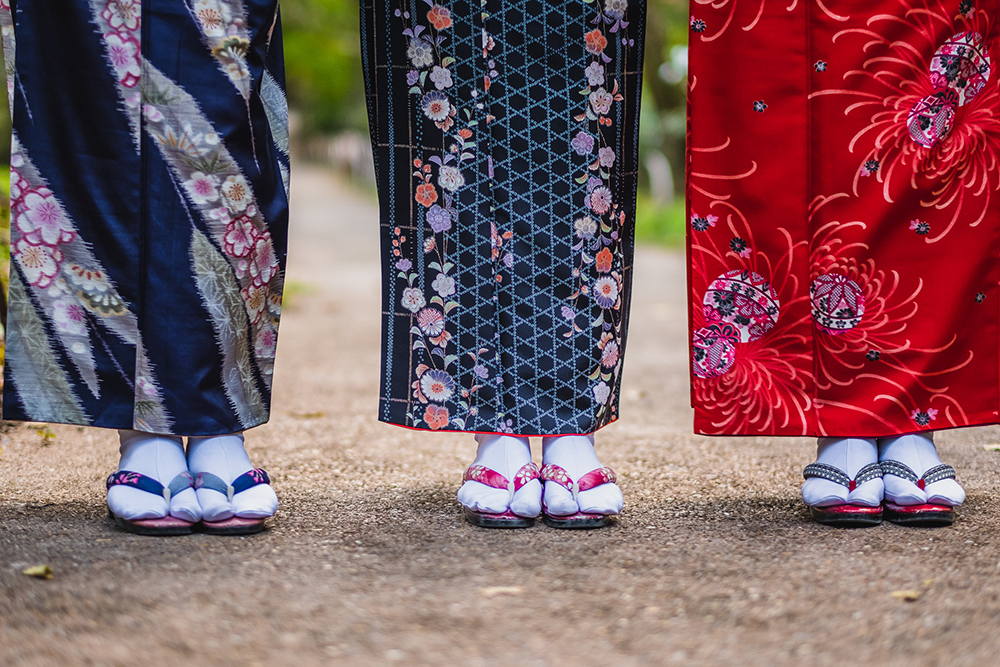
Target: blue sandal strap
x,y
149,485
206,480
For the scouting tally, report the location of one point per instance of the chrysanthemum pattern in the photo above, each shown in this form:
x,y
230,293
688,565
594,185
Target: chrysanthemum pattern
x,y
874,334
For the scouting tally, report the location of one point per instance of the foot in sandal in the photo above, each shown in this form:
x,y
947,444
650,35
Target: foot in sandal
x,y
235,497
844,486
580,492
919,489
501,488
152,491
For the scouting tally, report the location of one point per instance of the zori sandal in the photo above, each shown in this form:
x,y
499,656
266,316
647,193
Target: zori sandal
x,y
926,514
234,525
491,478
846,515
591,480
163,527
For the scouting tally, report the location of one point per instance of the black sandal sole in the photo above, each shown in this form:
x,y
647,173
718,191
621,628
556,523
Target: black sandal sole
x,y
845,519
488,521
576,524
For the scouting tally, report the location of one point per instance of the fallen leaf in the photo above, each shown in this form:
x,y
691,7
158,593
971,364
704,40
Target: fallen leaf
x,y
928,582
310,415
992,448
39,572
493,591
906,596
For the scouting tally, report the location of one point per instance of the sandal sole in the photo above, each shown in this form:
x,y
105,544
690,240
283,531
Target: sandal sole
x,y
506,520
153,527
920,515
847,516
577,521
233,526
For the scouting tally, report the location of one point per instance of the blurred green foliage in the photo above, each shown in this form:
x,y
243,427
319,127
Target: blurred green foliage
x,y
323,65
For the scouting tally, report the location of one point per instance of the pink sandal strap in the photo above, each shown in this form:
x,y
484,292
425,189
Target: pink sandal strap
x,y
491,478
553,473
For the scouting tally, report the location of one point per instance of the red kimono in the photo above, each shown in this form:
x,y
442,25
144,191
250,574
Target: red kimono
x,y
844,216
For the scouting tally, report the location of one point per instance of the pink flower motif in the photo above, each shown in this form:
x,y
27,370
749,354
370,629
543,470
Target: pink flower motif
x,y
41,219
600,200
70,317
123,14
40,263
263,264
123,50
266,342
240,237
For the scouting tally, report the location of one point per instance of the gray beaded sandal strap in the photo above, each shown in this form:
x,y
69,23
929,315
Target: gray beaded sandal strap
x,y
934,474
838,476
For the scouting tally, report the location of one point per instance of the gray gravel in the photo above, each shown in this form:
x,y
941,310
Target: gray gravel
x,y
713,562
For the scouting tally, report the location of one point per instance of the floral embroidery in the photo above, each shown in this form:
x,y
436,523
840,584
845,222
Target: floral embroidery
x,y
599,273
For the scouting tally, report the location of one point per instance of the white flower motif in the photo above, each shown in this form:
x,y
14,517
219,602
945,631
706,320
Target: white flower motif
x,y
595,74
42,219
450,178
203,189
123,14
444,285
600,101
601,392
236,193
420,53
40,263
413,299
266,342
441,77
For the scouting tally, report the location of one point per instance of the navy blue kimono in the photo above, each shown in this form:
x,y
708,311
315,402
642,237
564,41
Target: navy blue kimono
x,y
149,202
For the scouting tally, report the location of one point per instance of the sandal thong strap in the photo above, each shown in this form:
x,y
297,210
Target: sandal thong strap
x,y
206,480
553,473
491,478
838,476
149,485
931,475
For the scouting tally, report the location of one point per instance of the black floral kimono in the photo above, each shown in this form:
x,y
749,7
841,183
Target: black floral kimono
x,y
505,138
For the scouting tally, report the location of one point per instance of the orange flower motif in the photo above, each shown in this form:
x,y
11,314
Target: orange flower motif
x,y
596,42
426,194
436,417
465,133
439,17
603,260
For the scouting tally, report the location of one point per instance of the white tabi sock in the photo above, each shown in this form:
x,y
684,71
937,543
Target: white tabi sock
x,y
505,454
160,457
225,456
576,455
917,451
849,455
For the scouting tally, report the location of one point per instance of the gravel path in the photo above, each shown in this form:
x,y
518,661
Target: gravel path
x,y
713,562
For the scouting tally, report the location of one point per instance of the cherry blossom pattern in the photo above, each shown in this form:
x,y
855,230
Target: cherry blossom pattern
x,y
120,25
223,25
